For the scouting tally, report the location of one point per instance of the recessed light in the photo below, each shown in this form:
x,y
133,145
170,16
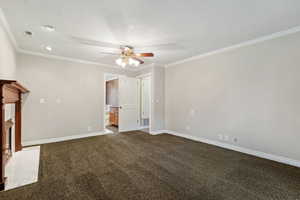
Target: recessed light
x,y
48,48
28,33
48,28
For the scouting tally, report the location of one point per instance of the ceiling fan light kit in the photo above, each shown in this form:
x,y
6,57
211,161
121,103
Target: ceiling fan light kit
x,y
128,57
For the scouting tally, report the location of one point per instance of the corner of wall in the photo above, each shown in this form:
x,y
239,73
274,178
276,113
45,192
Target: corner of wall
x,y
8,52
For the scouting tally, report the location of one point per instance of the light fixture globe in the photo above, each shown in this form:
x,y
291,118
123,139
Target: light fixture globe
x,y
136,63
131,61
119,61
123,64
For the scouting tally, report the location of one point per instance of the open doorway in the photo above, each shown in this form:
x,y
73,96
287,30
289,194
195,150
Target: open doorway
x,y
111,103
127,103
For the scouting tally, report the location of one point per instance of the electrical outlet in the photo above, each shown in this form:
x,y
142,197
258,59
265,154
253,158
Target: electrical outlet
x,y
58,100
188,128
192,112
235,139
226,137
220,137
89,128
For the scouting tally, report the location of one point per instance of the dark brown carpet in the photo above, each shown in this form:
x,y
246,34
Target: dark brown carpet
x,y
139,166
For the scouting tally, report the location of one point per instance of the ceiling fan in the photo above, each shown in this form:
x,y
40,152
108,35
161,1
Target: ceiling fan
x,y
126,53
129,57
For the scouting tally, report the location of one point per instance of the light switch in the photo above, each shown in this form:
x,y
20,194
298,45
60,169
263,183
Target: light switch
x,y
42,100
192,112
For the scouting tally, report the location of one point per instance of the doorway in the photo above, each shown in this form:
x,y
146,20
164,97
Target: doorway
x,y
111,107
127,103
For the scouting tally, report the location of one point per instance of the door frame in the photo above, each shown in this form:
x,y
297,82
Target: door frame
x,y
104,96
151,98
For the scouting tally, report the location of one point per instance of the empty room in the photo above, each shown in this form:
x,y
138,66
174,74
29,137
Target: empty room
x,y
150,100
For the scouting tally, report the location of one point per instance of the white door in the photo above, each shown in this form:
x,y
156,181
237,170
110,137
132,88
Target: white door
x,y
129,104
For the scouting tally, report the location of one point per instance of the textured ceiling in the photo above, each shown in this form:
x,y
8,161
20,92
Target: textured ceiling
x,y
172,30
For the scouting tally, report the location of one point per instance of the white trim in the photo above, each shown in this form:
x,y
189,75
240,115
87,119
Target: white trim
x,y
157,132
4,76
60,139
19,50
108,131
114,76
143,127
243,44
7,28
260,154
61,58
141,76
141,67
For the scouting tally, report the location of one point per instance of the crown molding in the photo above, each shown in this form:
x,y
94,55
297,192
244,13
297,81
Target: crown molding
x,y
240,45
7,28
4,23
143,67
19,50
23,51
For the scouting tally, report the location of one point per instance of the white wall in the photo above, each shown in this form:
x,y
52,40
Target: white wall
x,y
73,94
7,53
7,65
250,93
158,98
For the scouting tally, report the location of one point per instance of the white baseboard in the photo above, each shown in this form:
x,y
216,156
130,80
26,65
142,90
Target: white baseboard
x,y
60,139
142,127
157,132
260,154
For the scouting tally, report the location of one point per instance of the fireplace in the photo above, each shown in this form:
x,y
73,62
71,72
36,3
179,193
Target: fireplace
x,y
10,93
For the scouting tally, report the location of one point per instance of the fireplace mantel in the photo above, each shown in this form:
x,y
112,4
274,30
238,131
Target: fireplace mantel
x,y
10,93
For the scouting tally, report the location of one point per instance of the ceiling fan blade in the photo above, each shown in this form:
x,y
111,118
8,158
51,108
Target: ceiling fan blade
x,y
141,61
144,54
95,43
166,46
109,53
